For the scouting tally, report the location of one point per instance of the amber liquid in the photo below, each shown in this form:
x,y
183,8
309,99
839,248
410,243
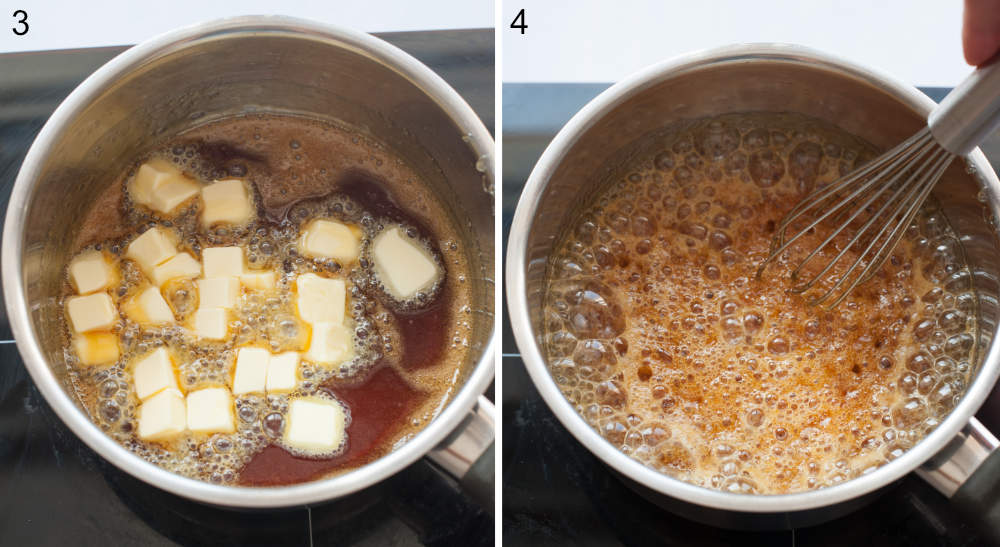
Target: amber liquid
x,y
659,331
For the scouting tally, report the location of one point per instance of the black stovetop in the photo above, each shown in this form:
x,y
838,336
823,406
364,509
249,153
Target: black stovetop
x,y
54,490
555,492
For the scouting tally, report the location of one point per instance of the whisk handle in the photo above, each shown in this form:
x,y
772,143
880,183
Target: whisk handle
x,y
970,112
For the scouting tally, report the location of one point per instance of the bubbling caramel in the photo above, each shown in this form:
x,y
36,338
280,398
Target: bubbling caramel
x,y
659,333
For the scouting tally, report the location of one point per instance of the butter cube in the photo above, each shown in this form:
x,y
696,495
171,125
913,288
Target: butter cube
x,y
251,370
260,280
330,239
402,264
162,416
218,292
153,373
96,348
161,186
226,201
331,344
283,372
149,307
315,425
321,299
92,312
90,272
140,189
181,265
210,410
211,323
151,249
223,261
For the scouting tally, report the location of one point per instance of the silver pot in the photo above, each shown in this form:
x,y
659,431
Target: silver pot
x,y
250,64
762,78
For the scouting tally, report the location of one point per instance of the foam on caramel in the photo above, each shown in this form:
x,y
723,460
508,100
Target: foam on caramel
x,y
659,333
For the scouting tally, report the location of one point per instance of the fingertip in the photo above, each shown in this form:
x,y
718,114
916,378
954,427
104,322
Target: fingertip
x,y
980,31
978,48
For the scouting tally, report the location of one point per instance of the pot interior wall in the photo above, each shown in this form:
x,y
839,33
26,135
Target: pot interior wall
x,y
232,73
772,85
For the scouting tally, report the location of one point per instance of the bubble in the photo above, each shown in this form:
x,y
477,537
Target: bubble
x,y
803,165
694,230
719,241
645,372
247,413
610,393
222,444
655,434
909,413
614,432
756,138
739,486
109,388
959,345
274,424
722,220
621,345
619,223
752,322
918,362
732,328
675,456
923,329
716,140
664,161
586,231
593,313
683,175
766,168
110,411
594,360
643,226
778,345
925,382
737,161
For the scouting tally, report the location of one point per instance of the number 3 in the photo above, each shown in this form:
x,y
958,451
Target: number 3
x,y
23,21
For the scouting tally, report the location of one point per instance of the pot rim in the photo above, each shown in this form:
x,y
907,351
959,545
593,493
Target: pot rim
x,y
528,208
24,333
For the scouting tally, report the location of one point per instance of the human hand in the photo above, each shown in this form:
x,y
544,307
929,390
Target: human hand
x,y
980,30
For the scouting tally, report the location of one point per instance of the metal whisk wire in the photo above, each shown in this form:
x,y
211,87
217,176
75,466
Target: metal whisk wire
x,y
907,173
890,189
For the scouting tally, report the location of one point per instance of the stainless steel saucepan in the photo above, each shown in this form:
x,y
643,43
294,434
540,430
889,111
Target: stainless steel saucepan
x,y
958,457
232,66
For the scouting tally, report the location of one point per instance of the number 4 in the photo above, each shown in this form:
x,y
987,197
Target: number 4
x,y
522,25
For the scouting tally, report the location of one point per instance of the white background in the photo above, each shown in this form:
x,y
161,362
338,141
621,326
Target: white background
x,y
58,24
918,41
567,40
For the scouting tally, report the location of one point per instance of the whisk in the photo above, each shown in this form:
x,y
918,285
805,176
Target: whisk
x,y
882,197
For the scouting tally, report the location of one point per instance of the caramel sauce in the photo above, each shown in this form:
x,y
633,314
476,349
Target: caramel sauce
x,y
408,354
659,332
379,404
